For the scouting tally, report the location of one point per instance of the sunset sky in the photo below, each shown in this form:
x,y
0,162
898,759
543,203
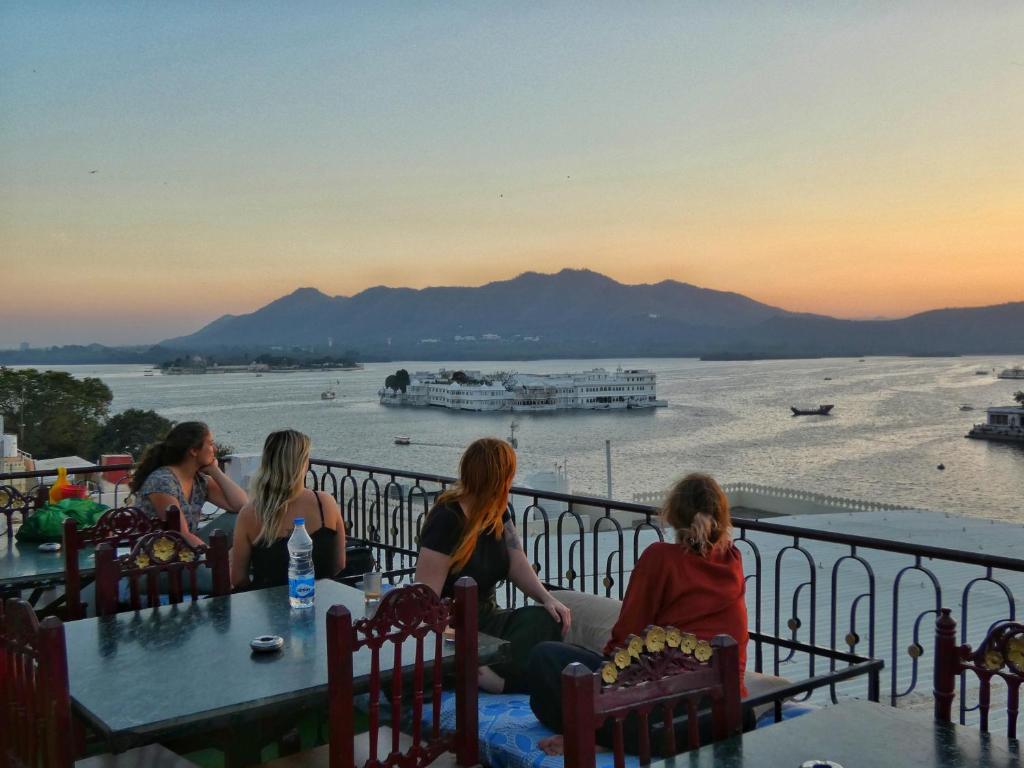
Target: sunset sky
x,y
162,163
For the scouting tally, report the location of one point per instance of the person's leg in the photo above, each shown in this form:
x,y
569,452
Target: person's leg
x,y
524,629
222,522
546,663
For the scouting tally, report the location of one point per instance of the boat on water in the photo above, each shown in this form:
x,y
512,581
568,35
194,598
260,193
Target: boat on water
x,y
403,440
594,390
1004,424
328,394
821,410
981,372
966,407
1016,372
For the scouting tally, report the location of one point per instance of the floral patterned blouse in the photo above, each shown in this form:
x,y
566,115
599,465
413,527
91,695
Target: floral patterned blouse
x,y
163,480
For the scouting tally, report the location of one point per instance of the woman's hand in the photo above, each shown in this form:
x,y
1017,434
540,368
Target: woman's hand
x,y
559,612
212,469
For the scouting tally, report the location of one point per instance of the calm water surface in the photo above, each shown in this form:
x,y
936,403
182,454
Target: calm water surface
x,y
895,420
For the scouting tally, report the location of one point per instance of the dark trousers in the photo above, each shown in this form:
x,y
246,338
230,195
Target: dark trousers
x,y
523,628
545,665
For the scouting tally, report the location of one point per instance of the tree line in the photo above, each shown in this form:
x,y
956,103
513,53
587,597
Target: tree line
x,y
55,414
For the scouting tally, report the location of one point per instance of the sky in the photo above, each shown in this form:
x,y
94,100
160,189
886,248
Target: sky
x,y
162,164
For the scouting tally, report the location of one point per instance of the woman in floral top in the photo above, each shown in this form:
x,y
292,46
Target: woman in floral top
x,y
181,470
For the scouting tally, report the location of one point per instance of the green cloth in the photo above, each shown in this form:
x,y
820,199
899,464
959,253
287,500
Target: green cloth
x,y
47,523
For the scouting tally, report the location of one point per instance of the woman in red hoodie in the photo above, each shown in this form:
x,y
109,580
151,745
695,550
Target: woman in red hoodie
x,y
695,585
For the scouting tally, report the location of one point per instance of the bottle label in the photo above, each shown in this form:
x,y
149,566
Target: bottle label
x,y
301,588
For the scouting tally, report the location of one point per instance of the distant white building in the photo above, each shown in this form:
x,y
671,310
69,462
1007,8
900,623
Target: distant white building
x,y
597,389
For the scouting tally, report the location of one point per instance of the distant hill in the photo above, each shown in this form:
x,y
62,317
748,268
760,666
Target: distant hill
x,y
579,313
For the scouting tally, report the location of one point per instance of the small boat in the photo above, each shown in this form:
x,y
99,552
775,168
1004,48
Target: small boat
x,y
966,407
981,372
1016,372
402,440
828,378
328,394
821,410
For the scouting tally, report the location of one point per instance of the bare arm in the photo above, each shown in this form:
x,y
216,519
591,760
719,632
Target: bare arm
x,y
432,569
161,503
521,573
222,490
332,513
241,549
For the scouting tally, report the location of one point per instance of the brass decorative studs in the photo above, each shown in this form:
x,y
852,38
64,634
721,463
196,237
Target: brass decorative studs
x,y
703,651
654,639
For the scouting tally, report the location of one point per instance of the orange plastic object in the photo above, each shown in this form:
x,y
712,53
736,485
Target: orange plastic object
x,y
57,491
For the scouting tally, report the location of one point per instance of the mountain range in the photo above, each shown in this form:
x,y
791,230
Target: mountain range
x,y
580,313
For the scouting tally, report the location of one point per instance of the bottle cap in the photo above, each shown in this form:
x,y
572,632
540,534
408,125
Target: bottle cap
x,y
300,521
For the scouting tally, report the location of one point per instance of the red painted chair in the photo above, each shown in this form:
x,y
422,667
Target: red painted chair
x,y
666,669
1000,655
408,613
160,563
120,528
35,705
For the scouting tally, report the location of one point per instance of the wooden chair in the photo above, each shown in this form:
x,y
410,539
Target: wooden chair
x,y
664,669
120,528
164,561
407,613
35,704
1000,654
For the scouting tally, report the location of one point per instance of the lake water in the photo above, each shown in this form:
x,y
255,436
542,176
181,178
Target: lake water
x,y
895,420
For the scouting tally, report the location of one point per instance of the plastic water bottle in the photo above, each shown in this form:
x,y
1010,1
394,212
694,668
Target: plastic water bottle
x,y
300,567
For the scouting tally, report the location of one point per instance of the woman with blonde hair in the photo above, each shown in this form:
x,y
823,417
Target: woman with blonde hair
x,y
695,584
469,532
280,500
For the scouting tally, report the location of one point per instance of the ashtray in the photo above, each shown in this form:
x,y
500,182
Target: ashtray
x,y
267,643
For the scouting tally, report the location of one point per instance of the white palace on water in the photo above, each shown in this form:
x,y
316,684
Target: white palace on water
x,y
597,389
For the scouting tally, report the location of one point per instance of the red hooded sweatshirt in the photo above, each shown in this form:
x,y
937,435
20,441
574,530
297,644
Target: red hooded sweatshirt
x,y
673,586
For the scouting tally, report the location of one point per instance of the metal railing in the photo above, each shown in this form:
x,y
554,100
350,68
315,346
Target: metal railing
x,y
846,593
814,597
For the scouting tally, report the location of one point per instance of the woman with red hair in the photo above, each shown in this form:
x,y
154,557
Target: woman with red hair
x,y
469,532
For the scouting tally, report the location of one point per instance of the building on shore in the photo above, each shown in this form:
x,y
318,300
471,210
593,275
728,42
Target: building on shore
x,y
597,389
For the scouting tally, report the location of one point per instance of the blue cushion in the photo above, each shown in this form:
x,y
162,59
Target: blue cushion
x,y
509,733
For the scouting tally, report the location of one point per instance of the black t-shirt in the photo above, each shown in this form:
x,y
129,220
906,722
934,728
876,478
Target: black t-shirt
x,y
489,563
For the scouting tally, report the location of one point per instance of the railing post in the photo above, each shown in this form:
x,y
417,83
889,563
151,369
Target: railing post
x,y
945,665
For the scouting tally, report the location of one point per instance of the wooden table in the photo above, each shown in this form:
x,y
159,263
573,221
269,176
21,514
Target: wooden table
x,y
163,673
857,734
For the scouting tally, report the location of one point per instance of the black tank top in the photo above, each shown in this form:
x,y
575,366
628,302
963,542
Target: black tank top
x,y
269,562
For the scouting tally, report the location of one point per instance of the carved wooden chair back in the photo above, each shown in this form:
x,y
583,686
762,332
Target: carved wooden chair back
x,y
120,528
1000,655
14,502
35,706
408,625
160,562
667,669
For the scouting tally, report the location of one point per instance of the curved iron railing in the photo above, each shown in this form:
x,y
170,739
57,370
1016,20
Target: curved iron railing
x,y
870,596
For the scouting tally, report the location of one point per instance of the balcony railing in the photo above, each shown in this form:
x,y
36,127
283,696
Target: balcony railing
x,y
816,599
817,589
